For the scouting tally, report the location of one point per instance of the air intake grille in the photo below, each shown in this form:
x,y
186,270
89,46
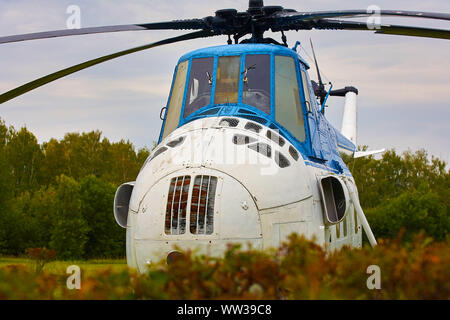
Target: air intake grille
x,y
202,205
229,122
262,148
210,111
281,160
275,138
176,142
175,222
293,153
255,118
253,127
242,139
158,152
246,111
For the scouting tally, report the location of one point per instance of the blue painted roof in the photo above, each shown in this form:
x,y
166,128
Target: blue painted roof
x,y
237,49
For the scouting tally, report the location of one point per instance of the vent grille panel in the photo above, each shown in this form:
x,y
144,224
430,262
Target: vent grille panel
x,y
253,127
293,153
158,152
229,122
242,139
255,118
281,160
262,148
209,112
246,111
202,205
275,138
175,222
176,142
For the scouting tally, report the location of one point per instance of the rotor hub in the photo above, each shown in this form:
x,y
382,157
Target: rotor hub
x,y
255,6
226,13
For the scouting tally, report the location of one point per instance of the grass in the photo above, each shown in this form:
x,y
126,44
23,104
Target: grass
x,y
88,267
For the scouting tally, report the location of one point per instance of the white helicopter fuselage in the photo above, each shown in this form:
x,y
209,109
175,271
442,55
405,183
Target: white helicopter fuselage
x,y
245,156
254,200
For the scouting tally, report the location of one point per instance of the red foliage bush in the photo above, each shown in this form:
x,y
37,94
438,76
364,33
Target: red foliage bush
x,y
300,269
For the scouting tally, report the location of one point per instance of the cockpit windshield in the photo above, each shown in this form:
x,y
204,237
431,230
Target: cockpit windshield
x,y
227,80
200,83
176,99
256,80
246,80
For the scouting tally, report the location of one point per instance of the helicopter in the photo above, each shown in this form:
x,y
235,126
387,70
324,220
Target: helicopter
x,y
245,153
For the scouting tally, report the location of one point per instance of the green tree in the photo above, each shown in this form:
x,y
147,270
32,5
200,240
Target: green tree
x,y
40,212
28,222
5,173
3,134
105,237
56,161
69,235
41,202
5,189
84,154
412,212
80,155
123,162
409,191
24,156
387,178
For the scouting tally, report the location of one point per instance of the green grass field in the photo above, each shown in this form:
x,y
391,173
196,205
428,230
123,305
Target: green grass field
x,y
60,267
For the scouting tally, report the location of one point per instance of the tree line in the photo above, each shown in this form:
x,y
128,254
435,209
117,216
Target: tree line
x,y
59,194
406,193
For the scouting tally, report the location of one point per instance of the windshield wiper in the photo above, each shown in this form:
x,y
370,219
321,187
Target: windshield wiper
x,y
209,78
245,72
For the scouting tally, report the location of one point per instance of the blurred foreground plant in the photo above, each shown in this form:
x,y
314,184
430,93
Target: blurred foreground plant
x,y
299,269
40,256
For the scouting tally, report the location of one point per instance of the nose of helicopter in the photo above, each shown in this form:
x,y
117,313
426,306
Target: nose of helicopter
x,y
204,186
194,209
256,156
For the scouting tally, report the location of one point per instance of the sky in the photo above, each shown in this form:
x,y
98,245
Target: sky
x,y
403,82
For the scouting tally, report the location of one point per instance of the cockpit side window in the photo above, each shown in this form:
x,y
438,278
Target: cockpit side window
x,y
306,91
176,99
200,83
288,111
227,80
256,78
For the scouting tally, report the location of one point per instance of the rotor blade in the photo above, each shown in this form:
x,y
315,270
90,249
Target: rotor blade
x,y
192,24
284,17
62,73
330,24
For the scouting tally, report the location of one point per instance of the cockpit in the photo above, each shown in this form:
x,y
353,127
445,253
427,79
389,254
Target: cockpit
x,y
261,82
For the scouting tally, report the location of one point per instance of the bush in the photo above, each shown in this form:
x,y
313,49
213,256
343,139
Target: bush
x,y
298,270
412,211
40,256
